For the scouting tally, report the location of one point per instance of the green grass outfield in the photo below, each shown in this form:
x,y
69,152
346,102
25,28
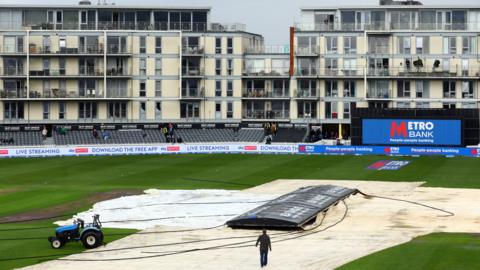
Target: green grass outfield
x,y
437,251
35,184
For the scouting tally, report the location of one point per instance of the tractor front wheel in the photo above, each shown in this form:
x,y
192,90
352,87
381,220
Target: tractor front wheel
x,y
57,243
92,239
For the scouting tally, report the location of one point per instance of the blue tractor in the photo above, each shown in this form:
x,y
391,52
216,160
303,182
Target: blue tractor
x,y
91,234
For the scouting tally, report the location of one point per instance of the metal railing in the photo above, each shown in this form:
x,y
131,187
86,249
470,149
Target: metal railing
x,y
275,71
264,93
379,93
17,93
94,49
384,25
315,71
195,50
117,49
12,50
192,72
193,92
262,114
311,50
457,71
117,71
13,71
273,49
306,93
63,93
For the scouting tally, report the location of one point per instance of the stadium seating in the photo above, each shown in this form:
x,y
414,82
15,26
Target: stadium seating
x,y
250,135
290,135
21,138
85,137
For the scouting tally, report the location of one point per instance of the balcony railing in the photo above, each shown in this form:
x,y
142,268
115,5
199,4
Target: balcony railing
x,y
379,93
262,114
12,49
193,92
306,93
313,50
194,50
116,49
382,25
63,93
264,93
90,71
279,71
273,49
13,71
6,94
458,71
314,71
192,72
117,93
34,49
117,71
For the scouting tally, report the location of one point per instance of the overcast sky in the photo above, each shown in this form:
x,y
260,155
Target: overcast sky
x,y
271,18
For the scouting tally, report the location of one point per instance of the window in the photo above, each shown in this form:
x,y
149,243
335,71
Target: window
x,y
331,66
61,110
349,66
307,45
332,44
403,105
229,109
143,89
62,44
403,89
449,89
117,109
143,66
422,44
467,89
61,66
218,88
189,109
230,66
280,66
422,89
307,88
346,110
47,46
46,110
331,110
143,45
229,45
158,88
218,67
469,45
349,88
158,45
350,45
331,88
464,67
449,105
158,110
87,110
307,109
229,88
158,66
218,45
449,45
13,110
143,109
404,45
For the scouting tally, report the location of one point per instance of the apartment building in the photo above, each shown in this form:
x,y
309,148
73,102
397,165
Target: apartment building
x,y
395,55
123,64
119,64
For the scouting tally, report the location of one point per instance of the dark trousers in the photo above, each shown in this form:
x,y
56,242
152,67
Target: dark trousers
x,y
263,258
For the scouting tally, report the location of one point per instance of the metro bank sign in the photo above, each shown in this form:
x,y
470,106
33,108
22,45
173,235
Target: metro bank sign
x,y
411,132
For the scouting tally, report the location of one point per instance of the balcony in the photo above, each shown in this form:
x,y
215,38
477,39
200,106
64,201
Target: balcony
x,y
117,72
13,72
263,114
307,51
379,93
274,49
48,50
330,72
193,72
424,72
55,93
118,93
13,94
306,93
261,72
192,50
264,93
193,93
117,50
12,50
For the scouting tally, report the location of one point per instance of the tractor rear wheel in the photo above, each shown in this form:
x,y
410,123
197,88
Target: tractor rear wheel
x,y
92,239
57,243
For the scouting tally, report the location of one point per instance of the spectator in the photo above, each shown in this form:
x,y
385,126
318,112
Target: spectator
x,y
95,133
44,133
144,134
106,135
179,139
165,132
